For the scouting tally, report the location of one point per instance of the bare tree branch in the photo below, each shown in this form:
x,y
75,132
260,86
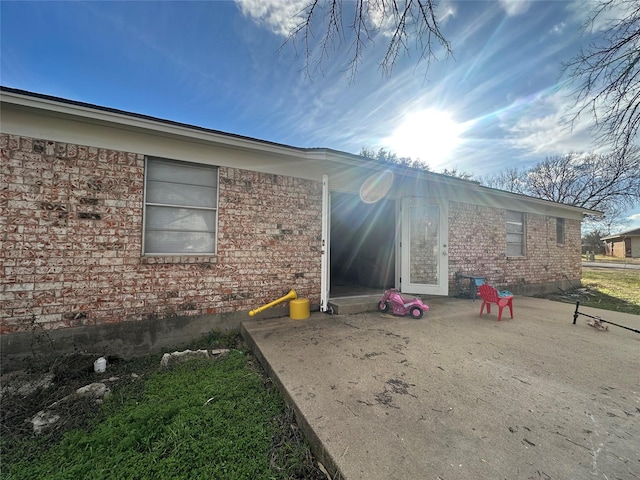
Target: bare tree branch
x,y
398,21
607,75
511,180
609,183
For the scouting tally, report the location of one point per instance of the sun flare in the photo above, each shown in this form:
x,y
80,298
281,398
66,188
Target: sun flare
x,y
428,135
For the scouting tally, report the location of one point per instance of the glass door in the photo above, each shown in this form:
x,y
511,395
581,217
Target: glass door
x,y
424,262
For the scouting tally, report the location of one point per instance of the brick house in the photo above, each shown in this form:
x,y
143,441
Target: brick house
x,y
623,245
127,231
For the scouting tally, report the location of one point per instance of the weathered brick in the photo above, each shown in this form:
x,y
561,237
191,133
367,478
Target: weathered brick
x,y
63,264
268,241
477,244
18,287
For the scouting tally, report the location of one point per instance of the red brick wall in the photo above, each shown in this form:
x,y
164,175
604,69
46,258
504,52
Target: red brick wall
x,y
477,244
71,241
618,249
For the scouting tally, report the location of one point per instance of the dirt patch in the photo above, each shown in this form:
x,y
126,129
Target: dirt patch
x,y
27,392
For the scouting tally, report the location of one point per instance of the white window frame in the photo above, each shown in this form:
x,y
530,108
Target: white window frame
x,y
146,230
511,232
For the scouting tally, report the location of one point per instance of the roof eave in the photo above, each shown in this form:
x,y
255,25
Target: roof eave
x,y
111,116
99,114
542,201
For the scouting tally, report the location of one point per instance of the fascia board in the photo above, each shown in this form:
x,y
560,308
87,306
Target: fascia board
x,y
350,160
157,126
544,204
107,117
628,234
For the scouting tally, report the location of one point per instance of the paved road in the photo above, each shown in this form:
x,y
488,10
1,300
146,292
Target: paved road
x,y
632,266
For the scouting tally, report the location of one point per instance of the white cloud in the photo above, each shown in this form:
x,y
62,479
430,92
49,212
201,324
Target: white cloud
x,y
515,7
633,220
379,18
280,16
386,20
540,125
583,11
445,11
283,16
558,28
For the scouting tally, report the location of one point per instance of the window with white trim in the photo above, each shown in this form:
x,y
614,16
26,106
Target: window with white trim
x,y
515,234
180,208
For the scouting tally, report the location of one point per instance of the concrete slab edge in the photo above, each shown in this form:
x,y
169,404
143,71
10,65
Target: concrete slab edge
x,y
317,448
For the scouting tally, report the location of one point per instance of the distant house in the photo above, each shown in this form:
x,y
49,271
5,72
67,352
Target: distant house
x,y
625,244
122,231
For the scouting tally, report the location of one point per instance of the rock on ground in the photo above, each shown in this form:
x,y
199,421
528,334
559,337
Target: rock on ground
x,y
171,359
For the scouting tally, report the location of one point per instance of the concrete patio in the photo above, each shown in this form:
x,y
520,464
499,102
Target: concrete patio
x,y
455,396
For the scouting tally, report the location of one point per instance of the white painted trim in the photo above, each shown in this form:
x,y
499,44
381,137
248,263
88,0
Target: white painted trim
x,y
129,121
442,288
398,245
34,124
325,266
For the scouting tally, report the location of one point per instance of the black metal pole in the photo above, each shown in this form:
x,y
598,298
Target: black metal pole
x,y
621,326
576,313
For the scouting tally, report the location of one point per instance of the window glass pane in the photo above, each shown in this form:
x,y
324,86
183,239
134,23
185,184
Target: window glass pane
x,y
515,234
167,218
180,207
179,242
514,227
424,222
514,238
514,216
514,250
560,230
181,172
180,194
515,222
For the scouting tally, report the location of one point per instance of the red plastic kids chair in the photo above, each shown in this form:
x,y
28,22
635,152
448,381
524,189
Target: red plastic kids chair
x,y
490,295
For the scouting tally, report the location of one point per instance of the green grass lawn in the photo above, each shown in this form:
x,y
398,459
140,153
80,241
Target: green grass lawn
x,y
612,289
609,259
201,420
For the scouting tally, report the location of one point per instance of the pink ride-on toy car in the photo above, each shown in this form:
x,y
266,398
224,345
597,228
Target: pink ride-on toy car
x,y
393,301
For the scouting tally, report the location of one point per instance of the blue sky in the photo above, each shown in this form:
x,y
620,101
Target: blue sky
x,y
497,102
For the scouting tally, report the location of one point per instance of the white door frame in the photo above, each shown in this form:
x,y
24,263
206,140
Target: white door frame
x,y
325,267
440,250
